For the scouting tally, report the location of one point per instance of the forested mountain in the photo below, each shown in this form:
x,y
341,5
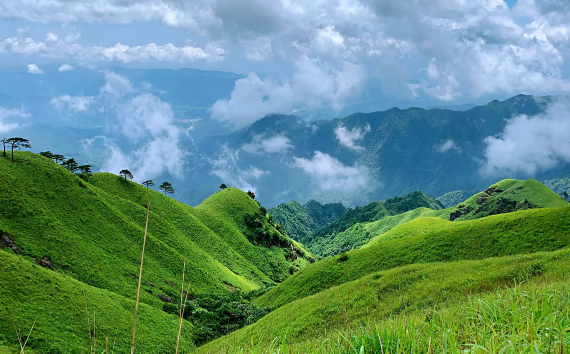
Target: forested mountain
x,y
392,152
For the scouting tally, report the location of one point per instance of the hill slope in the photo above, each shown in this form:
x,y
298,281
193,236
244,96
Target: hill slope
x,y
300,221
331,239
506,234
92,231
410,304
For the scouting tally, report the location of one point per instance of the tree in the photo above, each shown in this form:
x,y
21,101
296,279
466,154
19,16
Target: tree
x,y
58,157
18,143
47,154
126,173
148,183
70,164
251,194
4,142
565,195
85,170
166,187
223,186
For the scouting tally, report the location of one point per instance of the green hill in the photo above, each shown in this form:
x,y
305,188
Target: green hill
x,y
331,239
454,197
300,221
458,307
92,231
499,235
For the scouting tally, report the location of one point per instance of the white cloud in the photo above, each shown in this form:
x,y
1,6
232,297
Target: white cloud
x,y
530,144
259,49
277,144
143,120
349,138
314,84
34,69
226,167
74,104
330,173
55,47
447,146
65,67
6,113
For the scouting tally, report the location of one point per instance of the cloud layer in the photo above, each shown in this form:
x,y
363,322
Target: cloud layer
x,y
530,144
7,124
349,137
331,174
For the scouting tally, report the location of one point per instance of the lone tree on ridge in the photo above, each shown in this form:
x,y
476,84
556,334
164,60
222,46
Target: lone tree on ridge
x,y
148,183
58,157
223,186
166,187
71,164
85,170
126,174
18,143
251,194
47,154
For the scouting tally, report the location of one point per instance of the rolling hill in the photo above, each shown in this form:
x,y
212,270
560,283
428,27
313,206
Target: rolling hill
x,y
89,233
432,240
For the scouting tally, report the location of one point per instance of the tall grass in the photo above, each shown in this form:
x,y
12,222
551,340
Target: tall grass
x,y
525,319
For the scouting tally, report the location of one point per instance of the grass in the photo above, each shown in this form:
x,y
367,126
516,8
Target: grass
x,y
59,302
467,306
91,231
499,235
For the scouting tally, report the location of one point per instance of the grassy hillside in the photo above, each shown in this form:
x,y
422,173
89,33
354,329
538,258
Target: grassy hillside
x,y
300,221
92,231
332,239
503,197
506,234
61,305
416,302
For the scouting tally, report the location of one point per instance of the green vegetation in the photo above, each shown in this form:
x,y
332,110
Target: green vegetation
x,y
334,238
92,232
408,305
455,197
301,221
559,185
62,306
506,234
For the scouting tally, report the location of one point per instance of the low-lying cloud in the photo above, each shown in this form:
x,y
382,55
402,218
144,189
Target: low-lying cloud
x,y
34,69
226,166
277,144
331,174
531,144
349,137
314,84
448,145
140,118
6,114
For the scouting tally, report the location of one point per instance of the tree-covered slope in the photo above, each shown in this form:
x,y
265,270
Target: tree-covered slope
x,y
498,235
417,306
300,221
332,239
92,231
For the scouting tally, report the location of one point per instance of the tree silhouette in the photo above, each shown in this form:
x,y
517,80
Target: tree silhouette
x,y
18,143
4,142
166,187
149,183
565,195
251,194
47,154
71,165
58,157
85,170
223,186
127,174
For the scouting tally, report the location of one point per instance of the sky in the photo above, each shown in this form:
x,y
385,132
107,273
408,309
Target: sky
x,y
310,53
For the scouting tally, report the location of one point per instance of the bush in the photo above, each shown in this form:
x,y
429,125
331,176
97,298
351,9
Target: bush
x,y
343,257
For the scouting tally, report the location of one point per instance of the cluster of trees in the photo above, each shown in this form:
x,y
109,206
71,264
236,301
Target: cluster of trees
x,y
166,187
70,164
215,316
15,143
564,195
